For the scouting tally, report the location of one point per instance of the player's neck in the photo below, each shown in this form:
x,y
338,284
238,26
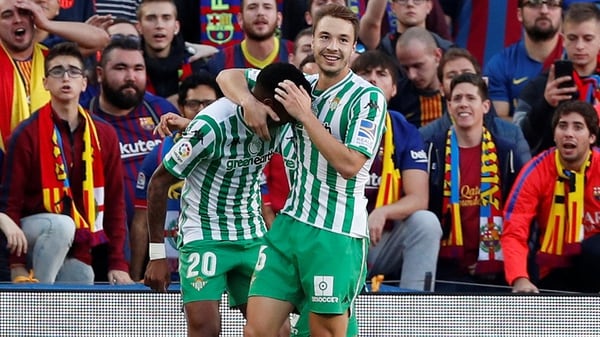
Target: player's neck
x,y
540,50
327,80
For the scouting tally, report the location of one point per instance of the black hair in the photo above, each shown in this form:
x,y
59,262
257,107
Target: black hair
x,y
63,49
194,80
124,44
585,109
372,59
269,78
474,79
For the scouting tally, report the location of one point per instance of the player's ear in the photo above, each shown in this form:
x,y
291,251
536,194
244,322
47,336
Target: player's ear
x,y
269,102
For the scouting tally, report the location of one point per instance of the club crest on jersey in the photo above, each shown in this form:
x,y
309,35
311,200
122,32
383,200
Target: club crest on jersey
x,y
147,123
255,146
219,27
182,151
366,132
596,191
334,104
199,283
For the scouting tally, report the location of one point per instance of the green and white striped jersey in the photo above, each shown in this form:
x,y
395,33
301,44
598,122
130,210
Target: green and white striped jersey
x,y
221,160
353,111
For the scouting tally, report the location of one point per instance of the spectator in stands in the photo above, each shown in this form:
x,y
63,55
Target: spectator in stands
x,y
581,31
419,96
261,46
302,47
484,27
227,231
409,13
511,69
88,37
558,192
315,5
165,53
404,235
471,169
196,92
63,183
75,11
132,111
454,62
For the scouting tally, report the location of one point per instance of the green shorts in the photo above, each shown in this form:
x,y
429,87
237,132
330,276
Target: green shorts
x,y
311,267
209,268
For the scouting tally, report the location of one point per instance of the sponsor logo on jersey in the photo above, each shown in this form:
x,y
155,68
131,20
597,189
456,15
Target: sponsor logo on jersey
x,y
139,148
233,164
419,156
323,289
366,132
219,27
141,181
182,151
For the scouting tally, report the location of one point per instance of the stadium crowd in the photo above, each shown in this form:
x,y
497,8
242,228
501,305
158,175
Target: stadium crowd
x,y
481,181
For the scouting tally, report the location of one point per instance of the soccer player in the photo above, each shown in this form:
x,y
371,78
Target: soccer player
x,y
221,226
321,267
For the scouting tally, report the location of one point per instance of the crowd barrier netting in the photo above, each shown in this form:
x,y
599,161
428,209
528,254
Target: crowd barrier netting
x,y
104,310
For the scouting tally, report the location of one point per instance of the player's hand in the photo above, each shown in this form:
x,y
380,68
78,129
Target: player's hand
x,y
157,275
376,223
100,21
295,99
553,94
169,123
523,285
255,115
119,277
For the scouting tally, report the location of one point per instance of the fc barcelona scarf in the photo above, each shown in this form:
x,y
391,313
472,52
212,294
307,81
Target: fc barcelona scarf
x,y
16,103
490,209
58,197
564,231
389,190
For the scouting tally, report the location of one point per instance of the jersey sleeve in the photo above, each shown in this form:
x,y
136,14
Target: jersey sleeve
x,y
497,81
367,122
198,142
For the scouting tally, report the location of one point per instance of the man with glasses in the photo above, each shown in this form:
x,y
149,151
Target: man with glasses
x,y
410,13
196,92
510,70
63,183
133,112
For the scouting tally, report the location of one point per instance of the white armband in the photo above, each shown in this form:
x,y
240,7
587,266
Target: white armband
x,y
157,251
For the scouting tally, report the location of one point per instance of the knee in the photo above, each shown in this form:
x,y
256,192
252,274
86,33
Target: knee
x,y
202,327
62,226
250,331
426,224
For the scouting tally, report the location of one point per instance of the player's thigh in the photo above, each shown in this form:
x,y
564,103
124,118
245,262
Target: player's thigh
x,y
333,272
276,274
203,268
238,279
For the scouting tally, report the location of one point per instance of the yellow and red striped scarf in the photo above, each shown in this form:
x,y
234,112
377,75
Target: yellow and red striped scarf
x,y
490,209
564,231
58,197
389,190
16,102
